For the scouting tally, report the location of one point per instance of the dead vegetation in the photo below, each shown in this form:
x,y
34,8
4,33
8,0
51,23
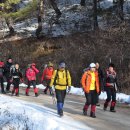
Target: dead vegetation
x,y
78,51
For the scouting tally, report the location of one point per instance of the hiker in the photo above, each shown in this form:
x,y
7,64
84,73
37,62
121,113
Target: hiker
x,y
47,75
90,84
31,77
2,77
61,79
16,77
101,81
7,74
110,87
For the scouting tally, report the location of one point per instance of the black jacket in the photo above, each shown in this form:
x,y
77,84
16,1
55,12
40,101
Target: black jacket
x,y
7,69
101,78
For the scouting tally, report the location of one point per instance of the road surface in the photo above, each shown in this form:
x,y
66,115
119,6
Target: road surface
x,y
73,107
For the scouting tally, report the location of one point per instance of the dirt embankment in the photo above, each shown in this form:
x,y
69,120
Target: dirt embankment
x,y
77,50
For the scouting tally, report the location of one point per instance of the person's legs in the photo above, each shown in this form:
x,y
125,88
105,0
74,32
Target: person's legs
x,y
17,87
59,102
113,102
93,103
108,91
2,85
88,102
27,89
8,84
34,88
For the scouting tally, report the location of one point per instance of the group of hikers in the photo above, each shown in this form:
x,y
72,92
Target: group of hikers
x,y
93,82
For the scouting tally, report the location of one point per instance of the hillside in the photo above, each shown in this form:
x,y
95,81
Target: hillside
x,y
78,51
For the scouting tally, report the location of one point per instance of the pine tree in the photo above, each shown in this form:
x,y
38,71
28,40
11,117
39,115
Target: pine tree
x,y
10,13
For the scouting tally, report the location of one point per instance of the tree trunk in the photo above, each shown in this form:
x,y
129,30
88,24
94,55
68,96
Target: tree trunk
x,y
95,14
120,8
82,2
39,18
55,7
10,26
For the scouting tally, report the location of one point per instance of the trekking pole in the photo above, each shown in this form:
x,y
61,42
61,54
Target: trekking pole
x,y
53,99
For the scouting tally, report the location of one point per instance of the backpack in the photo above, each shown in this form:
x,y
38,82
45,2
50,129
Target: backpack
x,y
57,76
12,69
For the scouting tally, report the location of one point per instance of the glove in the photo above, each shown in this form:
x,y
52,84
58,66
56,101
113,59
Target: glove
x,y
51,91
69,89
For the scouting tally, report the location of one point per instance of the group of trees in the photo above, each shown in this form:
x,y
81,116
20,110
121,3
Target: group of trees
x,y
10,11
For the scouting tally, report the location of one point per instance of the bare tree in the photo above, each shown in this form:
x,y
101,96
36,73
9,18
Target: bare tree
x,y
41,11
55,7
40,14
120,9
95,14
82,2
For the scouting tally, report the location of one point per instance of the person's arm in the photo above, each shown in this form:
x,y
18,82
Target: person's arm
x,y
83,80
43,75
35,69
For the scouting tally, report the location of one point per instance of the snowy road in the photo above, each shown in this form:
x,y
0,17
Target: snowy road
x,y
73,108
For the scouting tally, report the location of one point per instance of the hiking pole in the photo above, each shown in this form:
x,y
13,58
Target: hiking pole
x,y
53,99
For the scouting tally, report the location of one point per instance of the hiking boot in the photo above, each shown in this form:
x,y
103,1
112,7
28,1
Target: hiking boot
x,y
26,94
36,95
3,92
112,109
92,114
60,113
84,112
17,94
98,104
8,91
45,92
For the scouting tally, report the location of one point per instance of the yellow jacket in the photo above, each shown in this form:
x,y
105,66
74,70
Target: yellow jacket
x,y
61,79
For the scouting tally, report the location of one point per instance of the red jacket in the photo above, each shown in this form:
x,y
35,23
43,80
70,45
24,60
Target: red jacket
x,y
47,73
31,73
1,64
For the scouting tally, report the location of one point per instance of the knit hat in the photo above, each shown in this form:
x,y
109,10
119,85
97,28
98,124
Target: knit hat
x,y
33,64
111,65
92,65
62,65
50,64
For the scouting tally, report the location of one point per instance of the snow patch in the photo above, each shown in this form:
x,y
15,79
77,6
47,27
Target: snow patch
x,y
17,114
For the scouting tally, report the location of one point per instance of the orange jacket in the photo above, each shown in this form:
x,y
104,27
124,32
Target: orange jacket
x,y
47,73
86,81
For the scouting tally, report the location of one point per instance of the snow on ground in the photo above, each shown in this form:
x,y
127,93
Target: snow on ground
x,y
21,115
121,97
74,18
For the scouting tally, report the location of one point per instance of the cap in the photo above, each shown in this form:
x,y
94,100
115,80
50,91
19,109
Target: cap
x,y
50,64
92,65
62,65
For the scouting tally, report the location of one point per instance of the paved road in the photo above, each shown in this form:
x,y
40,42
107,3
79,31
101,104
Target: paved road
x,y
73,107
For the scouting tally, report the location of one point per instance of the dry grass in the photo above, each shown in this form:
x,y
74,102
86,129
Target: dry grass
x,y
78,51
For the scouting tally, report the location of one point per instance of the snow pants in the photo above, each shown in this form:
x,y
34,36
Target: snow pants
x,y
33,83
2,84
111,96
8,83
47,81
60,96
16,83
91,99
